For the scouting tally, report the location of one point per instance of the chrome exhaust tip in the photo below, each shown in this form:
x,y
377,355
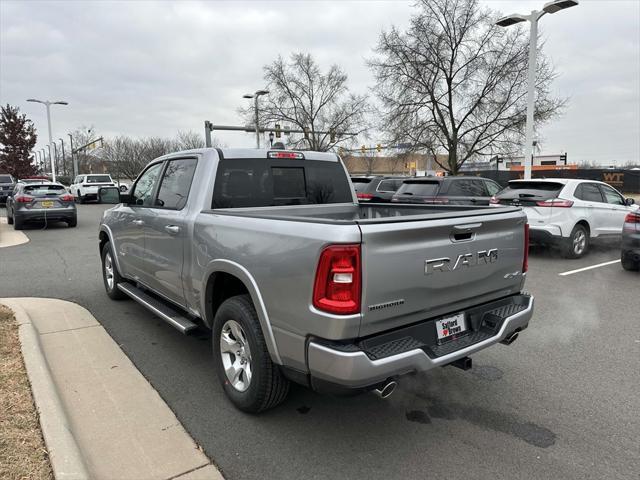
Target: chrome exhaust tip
x,y
386,390
510,339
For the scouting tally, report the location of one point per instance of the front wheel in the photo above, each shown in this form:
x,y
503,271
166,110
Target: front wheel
x,y
577,245
110,274
250,379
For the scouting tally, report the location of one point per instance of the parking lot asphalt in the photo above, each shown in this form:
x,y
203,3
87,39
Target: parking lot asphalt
x,y
561,402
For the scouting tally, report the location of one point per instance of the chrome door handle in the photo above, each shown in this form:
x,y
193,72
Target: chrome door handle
x,y
173,229
138,222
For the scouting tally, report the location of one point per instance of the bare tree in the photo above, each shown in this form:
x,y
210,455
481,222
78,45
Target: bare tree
x,y
305,98
456,82
190,140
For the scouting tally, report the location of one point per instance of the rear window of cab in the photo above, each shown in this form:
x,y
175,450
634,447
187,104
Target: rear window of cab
x,y
269,182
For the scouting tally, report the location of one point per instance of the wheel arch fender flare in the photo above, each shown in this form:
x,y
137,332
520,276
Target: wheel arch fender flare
x,y
242,274
107,231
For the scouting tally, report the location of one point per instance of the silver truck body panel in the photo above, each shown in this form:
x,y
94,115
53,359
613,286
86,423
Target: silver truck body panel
x,y
274,252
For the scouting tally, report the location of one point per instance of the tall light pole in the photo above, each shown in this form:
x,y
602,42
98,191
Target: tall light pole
x,y
64,160
533,18
48,104
257,117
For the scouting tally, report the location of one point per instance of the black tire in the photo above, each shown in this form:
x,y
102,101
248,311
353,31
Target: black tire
x,y
72,222
577,245
9,218
80,197
267,386
628,263
113,291
18,223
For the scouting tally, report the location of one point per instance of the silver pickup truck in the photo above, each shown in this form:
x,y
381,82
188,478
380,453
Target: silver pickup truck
x,y
298,282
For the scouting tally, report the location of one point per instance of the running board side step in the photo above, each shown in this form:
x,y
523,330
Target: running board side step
x,y
165,312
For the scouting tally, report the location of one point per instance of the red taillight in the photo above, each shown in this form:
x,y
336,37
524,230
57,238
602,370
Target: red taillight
x,y
24,199
67,198
337,285
364,196
555,202
632,218
494,201
525,261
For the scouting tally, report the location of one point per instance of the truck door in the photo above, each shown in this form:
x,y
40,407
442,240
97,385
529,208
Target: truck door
x,y
127,227
166,230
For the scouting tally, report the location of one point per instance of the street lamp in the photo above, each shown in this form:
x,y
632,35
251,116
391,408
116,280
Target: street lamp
x,y
64,159
533,18
255,96
48,104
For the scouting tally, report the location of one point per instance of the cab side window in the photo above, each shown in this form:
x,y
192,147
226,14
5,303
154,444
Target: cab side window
x,y
143,189
176,183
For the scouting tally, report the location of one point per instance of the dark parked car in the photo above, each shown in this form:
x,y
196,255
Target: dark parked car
x,y
377,189
630,256
45,201
447,190
7,183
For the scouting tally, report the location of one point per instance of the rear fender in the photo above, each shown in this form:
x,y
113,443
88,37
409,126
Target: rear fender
x,y
237,270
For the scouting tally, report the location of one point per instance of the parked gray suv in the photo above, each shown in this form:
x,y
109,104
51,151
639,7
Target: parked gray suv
x,y
298,282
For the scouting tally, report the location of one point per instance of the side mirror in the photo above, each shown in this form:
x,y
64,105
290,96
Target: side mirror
x,y
629,201
110,195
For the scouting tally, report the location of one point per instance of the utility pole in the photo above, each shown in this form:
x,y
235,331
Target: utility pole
x,y
64,159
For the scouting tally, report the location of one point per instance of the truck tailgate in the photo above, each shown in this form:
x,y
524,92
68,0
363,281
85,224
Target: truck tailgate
x,y
426,268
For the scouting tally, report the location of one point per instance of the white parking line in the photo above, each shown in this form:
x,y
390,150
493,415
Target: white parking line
x,y
571,272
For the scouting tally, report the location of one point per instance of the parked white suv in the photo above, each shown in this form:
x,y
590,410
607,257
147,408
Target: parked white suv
x,y
85,187
567,212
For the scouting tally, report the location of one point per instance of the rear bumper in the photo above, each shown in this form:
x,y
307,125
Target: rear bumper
x,y
545,234
67,213
374,360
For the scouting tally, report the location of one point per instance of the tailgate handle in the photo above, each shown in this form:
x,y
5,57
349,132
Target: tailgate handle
x,y
462,233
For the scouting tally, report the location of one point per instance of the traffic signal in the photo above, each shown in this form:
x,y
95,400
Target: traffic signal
x,y
363,149
379,148
306,133
340,151
332,136
277,130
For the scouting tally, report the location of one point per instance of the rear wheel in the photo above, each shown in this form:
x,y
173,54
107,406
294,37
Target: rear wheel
x,y
72,222
250,379
18,223
110,274
577,245
627,262
9,218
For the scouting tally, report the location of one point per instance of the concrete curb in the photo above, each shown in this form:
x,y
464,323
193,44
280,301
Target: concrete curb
x,y
64,454
10,237
101,419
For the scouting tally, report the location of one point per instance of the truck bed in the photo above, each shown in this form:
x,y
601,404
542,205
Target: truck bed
x,y
341,214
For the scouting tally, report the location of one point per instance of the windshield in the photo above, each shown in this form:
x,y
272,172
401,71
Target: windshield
x,y
426,189
270,182
99,179
6,179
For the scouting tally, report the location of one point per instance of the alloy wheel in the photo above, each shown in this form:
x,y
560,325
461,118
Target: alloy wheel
x,y
236,355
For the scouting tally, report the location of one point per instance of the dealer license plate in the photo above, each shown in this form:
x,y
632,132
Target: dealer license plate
x,y
47,204
450,328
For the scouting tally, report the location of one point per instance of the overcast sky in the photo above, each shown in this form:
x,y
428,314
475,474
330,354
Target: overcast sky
x,y
153,68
